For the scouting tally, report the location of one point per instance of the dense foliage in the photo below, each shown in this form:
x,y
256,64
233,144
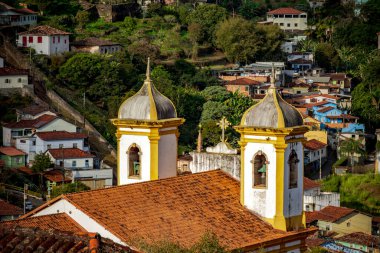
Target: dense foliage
x,y
361,192
68,188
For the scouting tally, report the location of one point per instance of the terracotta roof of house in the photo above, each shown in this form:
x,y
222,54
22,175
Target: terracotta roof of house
x,y
376,219
326,109
44,30
25,239
178,209
301,61
60,135
33,123
338,76
9,71
342,116
56,176
258,96
9,209
329,213
336,125
33,109
60,221
329,96
310,184
11,151
293,84
93,42
286,10
25,170
314,144
67,153
314,242
243,81
25,11
361,239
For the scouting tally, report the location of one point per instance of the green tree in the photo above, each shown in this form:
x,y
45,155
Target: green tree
x,y
326,56
250,9
351,148
195,36
207,16
41,163
68,188
238,39
82,18
237,104
272,37
216,93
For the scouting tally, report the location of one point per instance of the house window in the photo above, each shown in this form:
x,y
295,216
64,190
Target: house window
x,y
30,39
22,141
298,92
65,41
59,39
281,24
260,164
49,146
34,143
348,224
19,80
53,40
60,145
134,160
39,39
74,164
246,88
353,136
86,163
288,25
303,16
293,169
75,145
7,80
288,16
295,24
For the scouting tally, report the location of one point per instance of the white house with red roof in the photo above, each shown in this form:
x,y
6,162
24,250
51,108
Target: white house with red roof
x,y
45,40
288,19
315,152
314,199
13,78
25,128
33,112
10,16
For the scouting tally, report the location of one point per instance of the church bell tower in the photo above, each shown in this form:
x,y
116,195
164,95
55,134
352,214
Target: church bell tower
x,y
271,181
147,136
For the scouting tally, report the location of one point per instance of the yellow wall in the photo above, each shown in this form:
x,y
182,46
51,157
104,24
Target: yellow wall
x,y
318,135
358,223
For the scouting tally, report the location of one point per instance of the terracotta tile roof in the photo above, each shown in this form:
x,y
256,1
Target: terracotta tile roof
x,y
376,219
11,151
314,144
336,125
24,239
93,42
34,123
9,209
60,135
329,96
326,109
178,209
9,71
303,85
44,30
361,239
285,11
33,110
25,170
342,116
338,76
310,184
67,153
56,176
314,242
329,213
60,221
25,11
243,81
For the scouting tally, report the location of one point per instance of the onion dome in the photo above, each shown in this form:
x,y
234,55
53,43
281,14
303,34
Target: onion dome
x,y
147,104
272,111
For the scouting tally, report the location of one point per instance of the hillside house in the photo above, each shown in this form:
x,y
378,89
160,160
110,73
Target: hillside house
x,y
44,123
342,80
315,152
9,211
39,142
71,158
95,45
13,78
360,241
12,157
340,220
246,86
314,199
33,112
10,16
45,40
288,19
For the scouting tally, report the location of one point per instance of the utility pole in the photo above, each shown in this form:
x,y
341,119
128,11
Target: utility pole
x,y
320,165
84,108
25,189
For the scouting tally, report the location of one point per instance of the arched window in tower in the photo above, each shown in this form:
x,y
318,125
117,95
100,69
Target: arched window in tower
x,y
134,160
260,164
293,169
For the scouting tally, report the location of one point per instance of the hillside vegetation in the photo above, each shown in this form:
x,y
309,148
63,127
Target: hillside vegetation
x,y
361,192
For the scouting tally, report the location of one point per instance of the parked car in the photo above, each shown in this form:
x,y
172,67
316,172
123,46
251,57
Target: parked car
x,y
28,205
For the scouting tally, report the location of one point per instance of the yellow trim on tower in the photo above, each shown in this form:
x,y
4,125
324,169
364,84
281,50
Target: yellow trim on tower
x,y
242,144
280,115
118,136
153,140
279,220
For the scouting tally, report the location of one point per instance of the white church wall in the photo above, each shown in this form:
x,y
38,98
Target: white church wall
x,y
167,156
293,199
261,201
144,145
90,225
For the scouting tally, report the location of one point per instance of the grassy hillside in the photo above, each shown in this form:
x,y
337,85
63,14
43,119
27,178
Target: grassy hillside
x,y
361,192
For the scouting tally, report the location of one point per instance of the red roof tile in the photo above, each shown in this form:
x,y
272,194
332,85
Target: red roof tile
x,y
56,176
9,71
361,239
25,11
329,213
330,96
34,123
336,125
314,144
285,11
25,170
66,153
342,116
33,110
11,151
9,209
60,135
44,30
326,109
178,209
243,81
310,184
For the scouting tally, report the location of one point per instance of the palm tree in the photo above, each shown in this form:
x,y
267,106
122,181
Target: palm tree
x,y
350,148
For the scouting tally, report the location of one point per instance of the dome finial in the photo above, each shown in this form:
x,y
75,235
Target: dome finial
x,y
148,69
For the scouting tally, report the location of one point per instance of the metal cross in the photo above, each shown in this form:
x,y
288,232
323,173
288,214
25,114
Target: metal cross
x,y
223,124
